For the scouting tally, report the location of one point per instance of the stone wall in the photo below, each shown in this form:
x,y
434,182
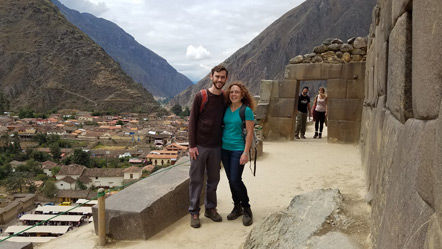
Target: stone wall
x,y
277,107
401,129
21,203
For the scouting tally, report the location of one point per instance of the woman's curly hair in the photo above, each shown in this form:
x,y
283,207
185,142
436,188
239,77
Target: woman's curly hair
x,y
246,98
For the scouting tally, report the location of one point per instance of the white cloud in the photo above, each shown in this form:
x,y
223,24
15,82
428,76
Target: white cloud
x,y
96,8
167,27
197,53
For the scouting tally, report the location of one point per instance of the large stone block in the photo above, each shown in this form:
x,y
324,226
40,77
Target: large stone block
x,y
355,89
261,111
437,170
332,71
434,234
265,90
279,128
341,131
382,69
16,245
427,51
427,177
385,16
405,217
353,71
148,206
283,108
288,89
300,224
345,109
337,88
398,8
399,91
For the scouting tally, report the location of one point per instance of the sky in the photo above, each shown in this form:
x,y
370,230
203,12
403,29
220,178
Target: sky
x,y
192,35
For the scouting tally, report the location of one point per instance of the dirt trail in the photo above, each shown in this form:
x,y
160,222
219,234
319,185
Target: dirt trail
x,y
286,169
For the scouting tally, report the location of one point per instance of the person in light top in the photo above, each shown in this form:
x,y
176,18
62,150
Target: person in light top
x,y
321,109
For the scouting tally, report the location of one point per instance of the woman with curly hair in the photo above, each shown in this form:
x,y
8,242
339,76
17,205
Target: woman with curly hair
x,y
320,107
235,148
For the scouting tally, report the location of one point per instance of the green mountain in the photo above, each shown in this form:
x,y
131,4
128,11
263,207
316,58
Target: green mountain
x,y
47,63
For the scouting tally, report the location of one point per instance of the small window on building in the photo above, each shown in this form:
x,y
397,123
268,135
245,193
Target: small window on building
x,y
131,176
96,177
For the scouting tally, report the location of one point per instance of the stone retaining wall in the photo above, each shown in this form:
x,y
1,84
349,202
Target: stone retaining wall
x,y
401,131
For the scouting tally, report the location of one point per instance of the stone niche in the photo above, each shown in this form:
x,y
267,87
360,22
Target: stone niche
x,y
277,107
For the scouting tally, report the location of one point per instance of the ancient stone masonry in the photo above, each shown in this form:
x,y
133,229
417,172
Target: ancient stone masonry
x,y
335,51
343,66
401,127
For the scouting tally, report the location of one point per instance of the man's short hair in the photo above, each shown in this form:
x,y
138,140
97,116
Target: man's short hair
x,y
306,87
218,69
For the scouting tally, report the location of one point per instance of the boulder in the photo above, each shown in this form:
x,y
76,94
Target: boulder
x,y
346,48
297,59
360,42
298,226
334,47
320,49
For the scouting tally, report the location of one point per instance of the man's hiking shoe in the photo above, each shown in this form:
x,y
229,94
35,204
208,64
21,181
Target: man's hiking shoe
x,y
247,219
297,137
195,221
212,214
303,137
236,212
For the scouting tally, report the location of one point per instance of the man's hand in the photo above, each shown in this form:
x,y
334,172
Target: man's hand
x,y
193,152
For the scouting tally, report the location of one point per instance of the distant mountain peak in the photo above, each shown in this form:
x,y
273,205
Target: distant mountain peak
x,y
140,63
296,32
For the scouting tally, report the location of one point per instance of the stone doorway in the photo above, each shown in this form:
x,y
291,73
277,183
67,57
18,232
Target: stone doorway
x,y
277,106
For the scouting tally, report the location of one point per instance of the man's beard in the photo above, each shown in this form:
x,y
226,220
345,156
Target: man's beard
x,y
219,88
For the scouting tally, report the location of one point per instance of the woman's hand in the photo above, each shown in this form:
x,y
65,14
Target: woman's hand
x,y
244,158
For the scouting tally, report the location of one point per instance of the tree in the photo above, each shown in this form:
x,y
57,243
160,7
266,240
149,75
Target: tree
x,y
81,157
4,103
16,181
5,170
55,151
186,112
49,189
119,122
177,109
80,185
55,170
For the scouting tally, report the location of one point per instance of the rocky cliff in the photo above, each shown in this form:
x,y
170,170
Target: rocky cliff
x,y
47,63
296,32
140,63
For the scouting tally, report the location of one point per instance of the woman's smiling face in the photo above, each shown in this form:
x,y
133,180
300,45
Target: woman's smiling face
x,y
235,94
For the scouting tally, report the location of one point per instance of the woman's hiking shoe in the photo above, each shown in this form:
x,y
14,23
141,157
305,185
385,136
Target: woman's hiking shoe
x,y
195,221
212,214
247,218
236,212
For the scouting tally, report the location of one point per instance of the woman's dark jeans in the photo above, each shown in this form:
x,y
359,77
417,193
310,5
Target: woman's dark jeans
x,y
234,171
320,120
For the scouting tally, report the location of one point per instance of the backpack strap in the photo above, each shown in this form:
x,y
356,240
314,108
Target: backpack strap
x,y
242,115
205,99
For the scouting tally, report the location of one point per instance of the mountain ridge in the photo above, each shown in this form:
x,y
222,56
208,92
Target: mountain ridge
x,y
139,62
47,63
296,32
